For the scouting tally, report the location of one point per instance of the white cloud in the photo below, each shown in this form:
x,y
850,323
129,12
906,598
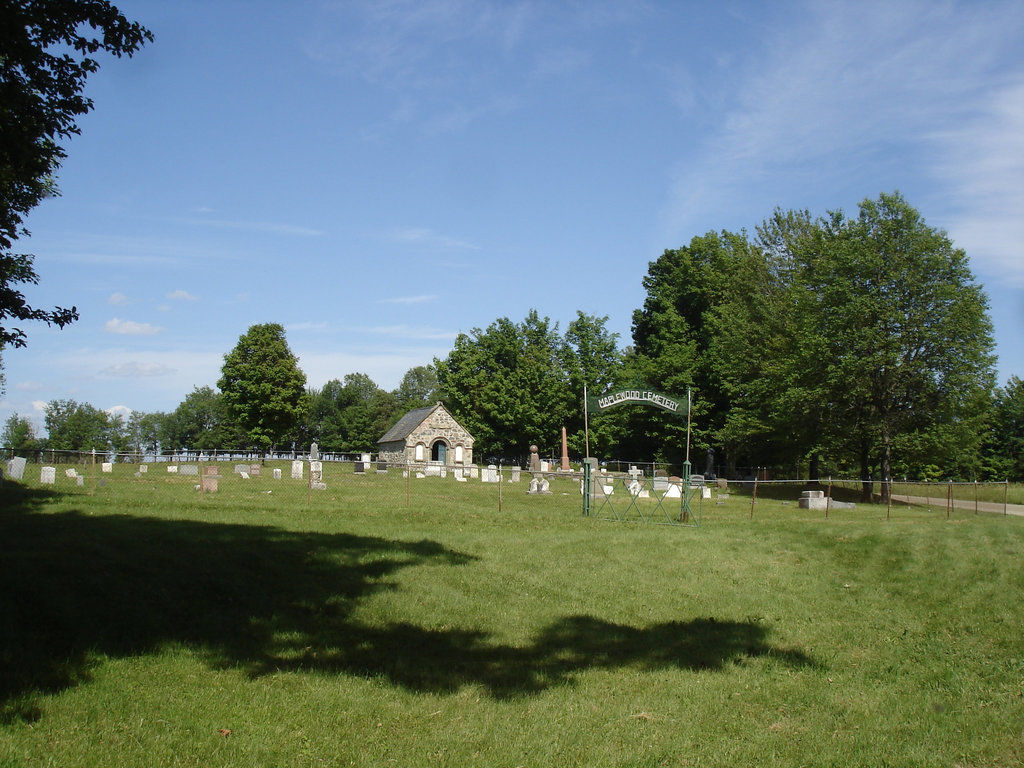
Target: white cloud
x,y
130,328
855,82
268,227
180,295
136,370
411,332
983,163
428,237
119,299
120,410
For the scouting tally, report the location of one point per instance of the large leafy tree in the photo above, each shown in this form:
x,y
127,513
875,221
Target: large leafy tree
x,y
1006,435
19,434
200,422
673,335
74,426
46,54
907,338
418,387
593,363
509,386
263,388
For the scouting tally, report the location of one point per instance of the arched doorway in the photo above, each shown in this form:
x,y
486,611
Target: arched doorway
x,y
439,452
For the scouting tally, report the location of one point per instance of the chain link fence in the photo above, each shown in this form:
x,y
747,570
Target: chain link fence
x,y
620,491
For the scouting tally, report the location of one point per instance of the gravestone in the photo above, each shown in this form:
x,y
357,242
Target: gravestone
x,y
515,475
70,473
490,475
534,459
254,470
297,470
107,467
143,469
813,500
635,486
47,475
16,468
382,467
189,469
539,486
172,469
79,480
314,452
474,470
240,468
359,468
277,474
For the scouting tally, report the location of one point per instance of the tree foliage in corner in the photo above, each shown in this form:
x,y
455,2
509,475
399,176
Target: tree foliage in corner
x,y
46,54
263,389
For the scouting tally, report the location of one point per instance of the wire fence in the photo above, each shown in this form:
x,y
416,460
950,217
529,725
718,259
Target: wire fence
x,y
642,492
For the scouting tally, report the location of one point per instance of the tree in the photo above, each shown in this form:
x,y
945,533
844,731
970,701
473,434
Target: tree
x,y
262,386
909,340
19,434
418,387
200,422
673,335
1006,444
593,363
44,64
74,426
508,386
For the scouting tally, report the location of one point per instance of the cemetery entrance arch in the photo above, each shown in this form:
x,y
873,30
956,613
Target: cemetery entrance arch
x,y
644,499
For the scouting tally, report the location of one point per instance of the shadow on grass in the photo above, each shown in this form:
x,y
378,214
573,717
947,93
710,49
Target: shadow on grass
x,y
76,588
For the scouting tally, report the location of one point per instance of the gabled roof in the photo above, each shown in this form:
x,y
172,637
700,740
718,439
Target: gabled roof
x,y
407,424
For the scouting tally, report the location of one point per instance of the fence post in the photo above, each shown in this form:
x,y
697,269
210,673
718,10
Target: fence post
x,y
975,495
753,498
1006,492
500,478
949,498
888,496
828,496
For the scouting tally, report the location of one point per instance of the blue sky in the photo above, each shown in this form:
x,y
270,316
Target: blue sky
x,y
379,176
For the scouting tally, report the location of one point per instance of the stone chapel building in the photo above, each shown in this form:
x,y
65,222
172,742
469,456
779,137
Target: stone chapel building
x,y
427,435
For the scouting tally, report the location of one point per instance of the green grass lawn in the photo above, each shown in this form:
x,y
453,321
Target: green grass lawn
x,y
145,624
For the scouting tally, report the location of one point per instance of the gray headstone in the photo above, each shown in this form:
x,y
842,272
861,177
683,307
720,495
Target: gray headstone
x,y
277,474
16,468
188,469
314,452
47,475
297,469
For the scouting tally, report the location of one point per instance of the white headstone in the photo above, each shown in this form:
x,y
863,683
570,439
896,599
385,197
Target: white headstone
x,y
173,469
106,466
244,475
316,471
277,474
71,473
16,468
143,468
675,491
297,470
47,475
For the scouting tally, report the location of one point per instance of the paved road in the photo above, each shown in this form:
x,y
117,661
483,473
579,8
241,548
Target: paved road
x,y
940,502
